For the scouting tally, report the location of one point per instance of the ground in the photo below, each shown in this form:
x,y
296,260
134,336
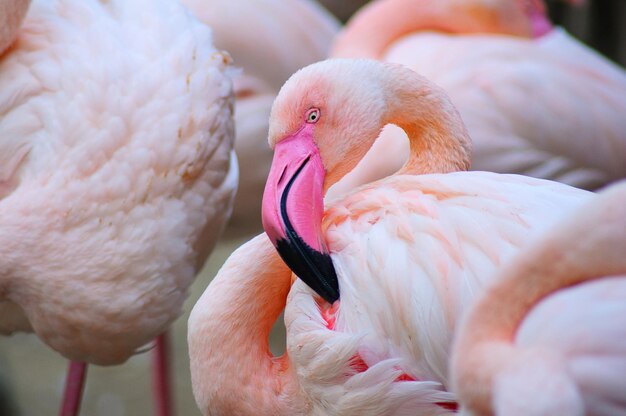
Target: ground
x,y
33,375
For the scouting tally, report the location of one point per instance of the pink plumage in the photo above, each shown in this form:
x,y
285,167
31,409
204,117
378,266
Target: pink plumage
x,y
544,106
550,336
411,252
116,171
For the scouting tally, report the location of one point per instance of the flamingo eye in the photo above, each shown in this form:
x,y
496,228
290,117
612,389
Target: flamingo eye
x,y
312,115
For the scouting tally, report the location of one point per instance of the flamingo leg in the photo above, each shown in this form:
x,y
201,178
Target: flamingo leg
x,y
73,388
161,376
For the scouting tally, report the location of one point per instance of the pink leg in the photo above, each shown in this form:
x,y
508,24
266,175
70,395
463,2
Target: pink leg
x,y
73,388
161,377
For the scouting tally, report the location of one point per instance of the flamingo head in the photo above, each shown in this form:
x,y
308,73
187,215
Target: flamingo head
x,y
320,121
323,122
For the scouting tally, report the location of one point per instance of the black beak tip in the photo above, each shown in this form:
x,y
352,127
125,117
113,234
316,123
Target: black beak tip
x,y
312,267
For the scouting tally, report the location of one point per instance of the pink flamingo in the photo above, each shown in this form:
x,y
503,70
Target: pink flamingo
x,y
116,175
534,99
549,338
393,265
240,26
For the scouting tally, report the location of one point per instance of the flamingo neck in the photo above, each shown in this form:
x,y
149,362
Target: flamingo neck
x,y
372,30
438,139
233,370
588,246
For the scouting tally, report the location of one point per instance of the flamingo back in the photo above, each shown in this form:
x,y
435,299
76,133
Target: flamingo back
x,y
411,254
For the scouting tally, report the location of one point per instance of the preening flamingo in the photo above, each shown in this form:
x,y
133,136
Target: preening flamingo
x,y
549,338
535,100
405,255
116,172
268,41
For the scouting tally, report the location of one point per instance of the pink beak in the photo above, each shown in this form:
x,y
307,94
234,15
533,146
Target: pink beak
x,y
293,206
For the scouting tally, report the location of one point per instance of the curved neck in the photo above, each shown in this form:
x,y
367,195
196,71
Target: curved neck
x,y
438,139
382,22
587,246
233,370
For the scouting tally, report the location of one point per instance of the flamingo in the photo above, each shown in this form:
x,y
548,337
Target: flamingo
x,y
116,175
385,272
534,99
240,26
535,344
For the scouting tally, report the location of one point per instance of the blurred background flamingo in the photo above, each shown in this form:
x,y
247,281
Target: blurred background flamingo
x,y
268,41
117,175
534,99
549,338
410,253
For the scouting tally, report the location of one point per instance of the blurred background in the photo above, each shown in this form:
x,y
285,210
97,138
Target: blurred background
x,y
598,23
32,375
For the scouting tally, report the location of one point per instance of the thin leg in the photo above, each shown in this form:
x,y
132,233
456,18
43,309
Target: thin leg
x,y
161,377
73,388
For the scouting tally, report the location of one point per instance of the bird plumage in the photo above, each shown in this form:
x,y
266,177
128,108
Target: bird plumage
x,y
548,337
12,14
411,252
533,105
117,170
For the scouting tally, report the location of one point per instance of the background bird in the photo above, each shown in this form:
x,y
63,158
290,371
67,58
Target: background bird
x,y
550,336
534,99
410,253
116,172
268,41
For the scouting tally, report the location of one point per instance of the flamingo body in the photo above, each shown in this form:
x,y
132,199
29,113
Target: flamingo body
x,y
576,94
583,342
552,326
533,105
116,171
410,253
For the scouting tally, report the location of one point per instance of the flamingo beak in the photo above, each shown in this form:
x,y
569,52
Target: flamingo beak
x,y
293,206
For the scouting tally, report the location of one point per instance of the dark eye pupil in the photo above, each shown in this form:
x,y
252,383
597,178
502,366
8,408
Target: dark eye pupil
x,y
312,116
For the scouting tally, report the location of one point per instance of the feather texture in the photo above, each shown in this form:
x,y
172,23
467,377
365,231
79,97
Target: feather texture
x,y
125,109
